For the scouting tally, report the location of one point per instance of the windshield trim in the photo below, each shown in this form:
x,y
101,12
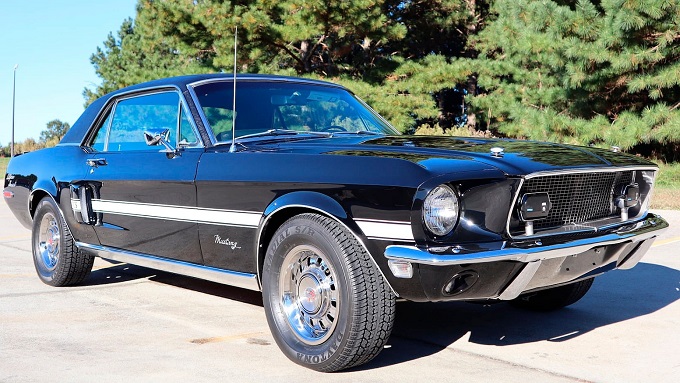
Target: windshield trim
x,y
368,119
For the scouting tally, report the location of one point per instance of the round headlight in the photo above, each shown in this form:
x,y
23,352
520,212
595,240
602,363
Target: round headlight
x,y
440,210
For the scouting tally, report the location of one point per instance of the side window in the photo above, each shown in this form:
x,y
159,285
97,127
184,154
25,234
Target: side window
x,y
187,134
135,115
99,141
123,129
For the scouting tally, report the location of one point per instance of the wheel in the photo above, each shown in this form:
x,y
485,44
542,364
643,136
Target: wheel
x,y
554,298
55,256
327,304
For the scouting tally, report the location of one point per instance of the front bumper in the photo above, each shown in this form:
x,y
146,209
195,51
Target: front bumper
x,y
542,262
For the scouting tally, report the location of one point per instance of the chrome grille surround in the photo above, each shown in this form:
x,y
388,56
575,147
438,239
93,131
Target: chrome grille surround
x,y
582,199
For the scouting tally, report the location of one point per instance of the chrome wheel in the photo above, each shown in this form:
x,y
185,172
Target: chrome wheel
x,y
49,238
326,303
309,294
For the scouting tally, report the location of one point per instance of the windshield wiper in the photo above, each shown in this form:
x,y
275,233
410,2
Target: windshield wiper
x,y
276,132
282,132
270,132
361,132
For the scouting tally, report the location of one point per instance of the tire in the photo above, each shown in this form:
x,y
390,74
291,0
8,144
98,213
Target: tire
x,y
327,305
554,298
55,256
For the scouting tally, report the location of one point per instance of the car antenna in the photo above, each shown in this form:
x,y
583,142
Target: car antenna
x,y
232,148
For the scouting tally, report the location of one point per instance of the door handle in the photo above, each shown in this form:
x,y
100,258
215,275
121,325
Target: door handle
x,y
96,162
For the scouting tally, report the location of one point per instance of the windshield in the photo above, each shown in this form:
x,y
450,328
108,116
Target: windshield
x,y
265,106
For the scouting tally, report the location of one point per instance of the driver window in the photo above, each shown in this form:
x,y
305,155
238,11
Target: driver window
x,y
132,116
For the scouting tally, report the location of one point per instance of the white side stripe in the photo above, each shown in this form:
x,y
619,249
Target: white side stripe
x,y
178,213
386,230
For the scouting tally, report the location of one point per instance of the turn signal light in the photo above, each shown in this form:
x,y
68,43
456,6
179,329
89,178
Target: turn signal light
x,y
401,269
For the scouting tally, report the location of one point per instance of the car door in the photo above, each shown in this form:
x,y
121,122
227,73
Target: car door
x,y
139,196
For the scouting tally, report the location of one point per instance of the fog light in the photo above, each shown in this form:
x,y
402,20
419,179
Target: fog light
x,y
629,197
533,206
401,269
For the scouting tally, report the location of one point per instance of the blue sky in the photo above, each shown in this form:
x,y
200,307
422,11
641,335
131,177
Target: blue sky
x,y
52,41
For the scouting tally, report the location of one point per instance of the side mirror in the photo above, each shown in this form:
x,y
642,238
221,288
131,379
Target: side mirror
x,y
154,137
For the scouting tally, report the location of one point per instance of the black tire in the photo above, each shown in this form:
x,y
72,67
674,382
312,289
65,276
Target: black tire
x,y
55,256
345,314
554,298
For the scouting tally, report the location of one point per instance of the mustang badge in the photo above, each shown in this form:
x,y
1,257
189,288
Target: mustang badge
x,y
226,242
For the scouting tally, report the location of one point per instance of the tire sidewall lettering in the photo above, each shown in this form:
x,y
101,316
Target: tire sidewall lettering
x,y
287,238
325,355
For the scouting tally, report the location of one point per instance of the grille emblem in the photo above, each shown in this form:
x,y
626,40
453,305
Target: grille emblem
x,y
497,152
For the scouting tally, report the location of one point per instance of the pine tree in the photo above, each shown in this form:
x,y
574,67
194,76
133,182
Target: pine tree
x,y
381,49
587,72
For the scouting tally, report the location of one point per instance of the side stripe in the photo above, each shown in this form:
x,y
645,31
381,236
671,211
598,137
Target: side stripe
x,y
178,213
388,230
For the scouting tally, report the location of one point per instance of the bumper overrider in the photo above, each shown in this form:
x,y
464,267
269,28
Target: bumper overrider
x,y
504,270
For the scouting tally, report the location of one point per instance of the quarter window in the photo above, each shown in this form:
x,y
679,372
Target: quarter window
x,y
99,142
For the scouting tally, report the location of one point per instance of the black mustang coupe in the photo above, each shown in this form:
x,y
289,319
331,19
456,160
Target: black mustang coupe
x,y
299,189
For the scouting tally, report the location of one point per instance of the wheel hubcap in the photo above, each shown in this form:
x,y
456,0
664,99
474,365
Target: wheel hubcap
x,y
48,241
309,294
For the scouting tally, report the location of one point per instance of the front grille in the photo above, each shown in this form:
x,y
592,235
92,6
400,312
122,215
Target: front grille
x,y
577,197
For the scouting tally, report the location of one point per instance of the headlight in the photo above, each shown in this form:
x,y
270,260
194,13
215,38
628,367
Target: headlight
x,y
440,210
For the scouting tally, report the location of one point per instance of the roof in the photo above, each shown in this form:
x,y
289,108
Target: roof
x,y
183,81
80,127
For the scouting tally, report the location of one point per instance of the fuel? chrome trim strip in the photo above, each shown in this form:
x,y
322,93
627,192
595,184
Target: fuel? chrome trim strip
x,y
227,277
179,213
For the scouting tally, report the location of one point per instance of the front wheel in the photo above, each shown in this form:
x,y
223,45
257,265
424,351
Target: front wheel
x,y
554,298
55,256
327,304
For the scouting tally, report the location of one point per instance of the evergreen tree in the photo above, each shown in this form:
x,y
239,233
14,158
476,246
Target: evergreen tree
x,y
54,131
587,72
360,43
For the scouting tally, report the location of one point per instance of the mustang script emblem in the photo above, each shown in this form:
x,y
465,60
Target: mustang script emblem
x,y
226,242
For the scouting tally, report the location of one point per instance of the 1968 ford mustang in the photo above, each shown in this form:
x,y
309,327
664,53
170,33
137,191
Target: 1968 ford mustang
x,y
299,189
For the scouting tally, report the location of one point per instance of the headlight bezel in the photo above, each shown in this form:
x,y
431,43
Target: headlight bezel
x,y
438,219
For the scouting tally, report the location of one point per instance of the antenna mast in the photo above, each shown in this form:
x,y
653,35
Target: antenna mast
x,y
232,148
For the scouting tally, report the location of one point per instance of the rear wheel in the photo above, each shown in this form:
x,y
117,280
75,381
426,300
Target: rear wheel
x,y
55,256
554,298
327,305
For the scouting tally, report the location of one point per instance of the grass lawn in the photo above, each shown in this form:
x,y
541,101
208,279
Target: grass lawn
x,y
667,190
3,165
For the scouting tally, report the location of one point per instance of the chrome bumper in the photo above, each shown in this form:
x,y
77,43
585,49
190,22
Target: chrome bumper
x,y
626,247
651,226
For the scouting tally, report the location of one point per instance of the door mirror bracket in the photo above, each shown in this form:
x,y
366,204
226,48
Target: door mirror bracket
x,y
154,137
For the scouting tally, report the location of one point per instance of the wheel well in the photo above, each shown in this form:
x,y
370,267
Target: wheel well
x,y
277,219
36,197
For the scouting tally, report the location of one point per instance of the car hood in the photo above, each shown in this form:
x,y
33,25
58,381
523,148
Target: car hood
x,y
439,153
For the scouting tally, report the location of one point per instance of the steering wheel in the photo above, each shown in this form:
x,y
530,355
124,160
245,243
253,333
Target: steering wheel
x,y
333,128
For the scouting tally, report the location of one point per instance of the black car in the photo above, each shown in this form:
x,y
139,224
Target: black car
x,y
298,189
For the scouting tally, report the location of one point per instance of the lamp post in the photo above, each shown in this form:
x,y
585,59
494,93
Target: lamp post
x,y
14,87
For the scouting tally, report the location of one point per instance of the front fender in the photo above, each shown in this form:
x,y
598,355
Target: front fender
x,y
291,204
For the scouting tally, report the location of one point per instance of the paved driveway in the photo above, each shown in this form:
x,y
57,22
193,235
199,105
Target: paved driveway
x,y
128,324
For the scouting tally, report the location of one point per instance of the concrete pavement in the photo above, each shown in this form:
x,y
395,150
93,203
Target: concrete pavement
x,y
128,323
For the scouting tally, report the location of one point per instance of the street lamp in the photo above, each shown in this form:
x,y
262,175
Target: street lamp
x,y
14,87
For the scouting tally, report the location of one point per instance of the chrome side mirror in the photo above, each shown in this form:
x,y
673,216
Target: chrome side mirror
x,y
154,137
